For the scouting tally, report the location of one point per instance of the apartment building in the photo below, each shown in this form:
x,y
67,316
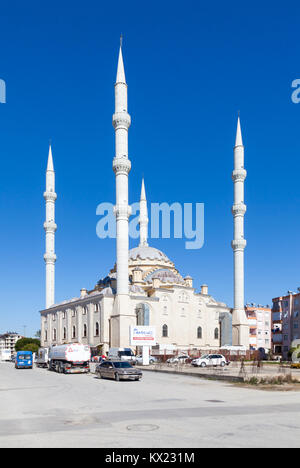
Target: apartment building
x,y
285,323
260,326
8,341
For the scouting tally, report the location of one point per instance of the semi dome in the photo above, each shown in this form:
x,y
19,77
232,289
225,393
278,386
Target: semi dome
x,y
165,276
147,253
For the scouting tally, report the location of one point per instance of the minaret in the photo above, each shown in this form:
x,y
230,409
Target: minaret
x,y
239,319
143,218
50,228
121,166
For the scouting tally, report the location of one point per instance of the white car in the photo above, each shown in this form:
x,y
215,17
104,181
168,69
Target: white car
x,y
210,360
178,359
139,359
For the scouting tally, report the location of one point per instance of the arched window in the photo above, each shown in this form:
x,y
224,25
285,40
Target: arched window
x,y
84,331
54,334
142,314
165,331
216,334
84,311
97,329
65,333
74,332
199,333
97,308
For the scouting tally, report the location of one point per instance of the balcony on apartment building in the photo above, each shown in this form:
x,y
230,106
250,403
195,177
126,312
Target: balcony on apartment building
x,y
277,337
277,317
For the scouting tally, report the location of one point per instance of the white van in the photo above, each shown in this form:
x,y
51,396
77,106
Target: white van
x,y
122,354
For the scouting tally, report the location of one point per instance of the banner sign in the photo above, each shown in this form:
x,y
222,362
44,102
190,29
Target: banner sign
x,y
142,336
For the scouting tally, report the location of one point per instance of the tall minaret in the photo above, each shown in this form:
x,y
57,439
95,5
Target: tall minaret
x,y
239,319
143,218
50,228
121,167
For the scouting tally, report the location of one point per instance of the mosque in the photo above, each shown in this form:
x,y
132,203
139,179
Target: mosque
x,y
144,287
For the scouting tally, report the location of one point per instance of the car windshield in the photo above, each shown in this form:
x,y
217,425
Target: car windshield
x,y
125,353
122,365
206,356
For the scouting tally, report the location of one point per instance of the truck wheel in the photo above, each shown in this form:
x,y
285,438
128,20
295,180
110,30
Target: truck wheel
x,y
117,377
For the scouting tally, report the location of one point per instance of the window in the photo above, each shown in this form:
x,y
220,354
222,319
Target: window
x,y
285,337
74,313
296,325
199,333
84,331
84,311
165,310
54,334
65,333
97,308
64,315
216,334
74,332
296,313
46,335
54,317
165,331
97,329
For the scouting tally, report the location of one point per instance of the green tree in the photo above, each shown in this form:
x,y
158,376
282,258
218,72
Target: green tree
x,y
31,347
20,344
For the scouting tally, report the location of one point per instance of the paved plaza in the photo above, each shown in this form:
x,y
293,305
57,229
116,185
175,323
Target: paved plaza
x,y
39,408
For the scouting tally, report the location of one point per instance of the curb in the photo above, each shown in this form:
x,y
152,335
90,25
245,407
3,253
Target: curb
x,y
226,378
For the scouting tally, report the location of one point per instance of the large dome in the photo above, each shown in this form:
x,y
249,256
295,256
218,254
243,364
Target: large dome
x,y
147,253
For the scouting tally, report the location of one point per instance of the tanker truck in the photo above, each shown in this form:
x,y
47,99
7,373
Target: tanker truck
x,y
71,358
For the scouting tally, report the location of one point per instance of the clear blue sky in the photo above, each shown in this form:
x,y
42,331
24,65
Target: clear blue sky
x,y
190,67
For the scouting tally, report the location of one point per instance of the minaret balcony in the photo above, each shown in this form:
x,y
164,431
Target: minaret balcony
x,y
239,175
122,211
50,196
239,209
121,120
50,258
50,226
121,165
238,244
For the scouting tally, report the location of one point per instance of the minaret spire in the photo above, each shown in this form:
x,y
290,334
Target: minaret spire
x,y
50,228
120,71
143,217
239,319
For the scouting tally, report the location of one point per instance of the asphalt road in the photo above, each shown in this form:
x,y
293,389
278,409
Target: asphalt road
x,y
39,408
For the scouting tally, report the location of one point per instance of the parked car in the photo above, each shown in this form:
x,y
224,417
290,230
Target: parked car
x,y
210,360
178,359
139,359
118,370
24,360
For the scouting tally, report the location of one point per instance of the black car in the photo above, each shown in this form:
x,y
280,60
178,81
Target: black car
x,y
118,370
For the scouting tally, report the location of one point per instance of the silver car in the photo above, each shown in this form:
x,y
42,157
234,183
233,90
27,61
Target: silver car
x,y
118,370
